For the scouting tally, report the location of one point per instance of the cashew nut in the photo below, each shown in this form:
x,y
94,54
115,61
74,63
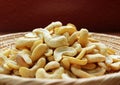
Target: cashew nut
x,y
57,74
83,37
77,46
52,65
61,30
64,50
95,58
49,52
81,54
26,72
80,73
54,42
25,42
89,66
53,25
37,42
38,51
73,37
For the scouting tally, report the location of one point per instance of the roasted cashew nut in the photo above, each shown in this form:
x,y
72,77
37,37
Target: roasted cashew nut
x,y
26,72
57,74
52,65
64,50
54,42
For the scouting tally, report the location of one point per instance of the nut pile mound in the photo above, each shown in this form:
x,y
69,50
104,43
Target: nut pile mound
x,y
58,52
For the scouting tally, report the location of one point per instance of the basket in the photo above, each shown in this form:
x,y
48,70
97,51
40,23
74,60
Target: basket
x,y
7,41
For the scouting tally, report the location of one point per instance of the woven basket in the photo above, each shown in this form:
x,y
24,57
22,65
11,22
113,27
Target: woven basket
x,y
6,41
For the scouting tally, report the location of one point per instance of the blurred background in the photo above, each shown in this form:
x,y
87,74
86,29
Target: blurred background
x,y
25,15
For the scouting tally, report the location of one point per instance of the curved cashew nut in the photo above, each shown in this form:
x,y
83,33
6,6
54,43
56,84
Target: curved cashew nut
x,y
77,46
38,51
57,74
97,71
26,72
25,42
23,59
52,65
40,41
65,62
80,73
73,37
49,52
64,50
83,37
53,25
90,49
61,30
101,47
95,58
54,42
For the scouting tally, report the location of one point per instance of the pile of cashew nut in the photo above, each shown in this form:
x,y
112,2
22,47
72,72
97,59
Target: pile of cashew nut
x,y
58,52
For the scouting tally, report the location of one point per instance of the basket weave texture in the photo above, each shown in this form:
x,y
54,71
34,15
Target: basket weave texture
x,y
7,41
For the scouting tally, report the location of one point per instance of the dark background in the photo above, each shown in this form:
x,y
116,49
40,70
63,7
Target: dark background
x,y
25,15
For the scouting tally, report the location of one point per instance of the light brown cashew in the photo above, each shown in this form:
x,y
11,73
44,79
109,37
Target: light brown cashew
x,y
80,73
54,42
83,37
52,65
64,50
61,30
50,58
53,25
37,42
95,58
38,51
23,42
57,74
77,46
26,72
65,63
73,37
89,66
